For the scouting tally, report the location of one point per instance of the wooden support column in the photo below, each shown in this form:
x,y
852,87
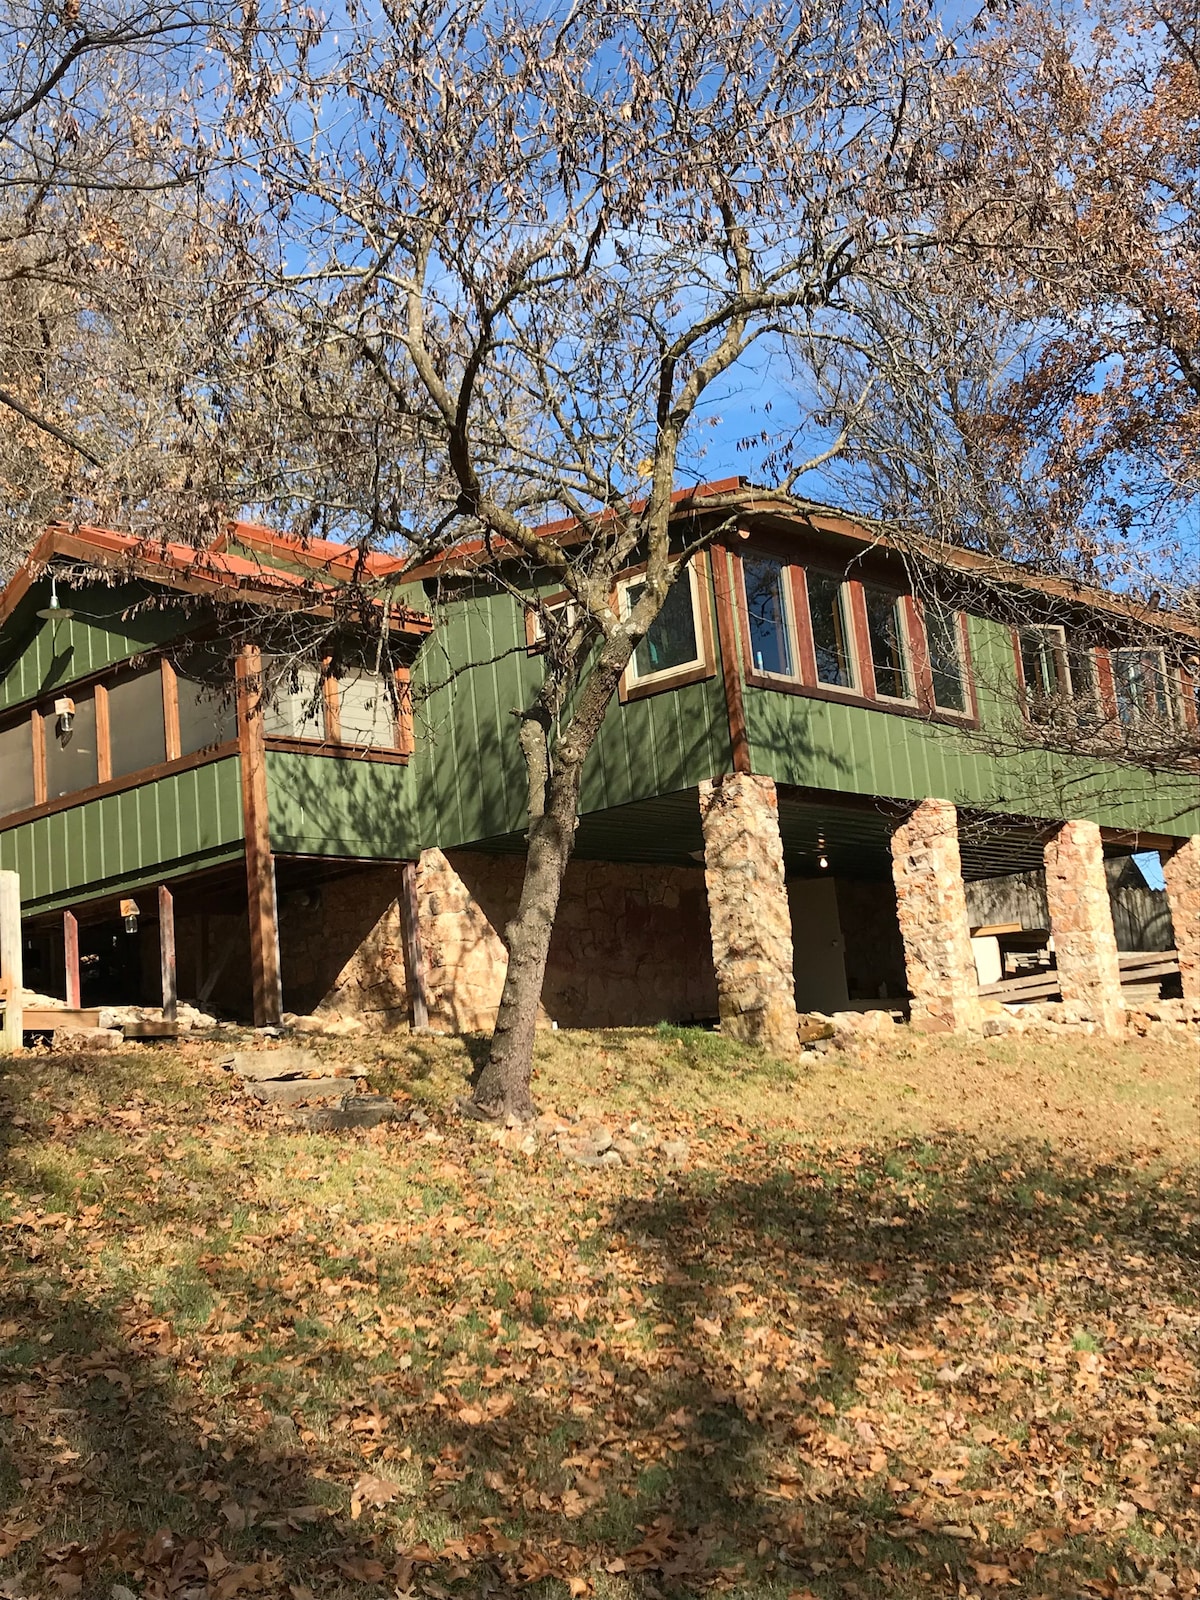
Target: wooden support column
x,y
414,954
166,953
11,976
71,959
260,864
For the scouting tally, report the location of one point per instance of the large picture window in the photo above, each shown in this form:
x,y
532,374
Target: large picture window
x,y
888,635
295,706
366,710
769,617
672,644
206,712
829,616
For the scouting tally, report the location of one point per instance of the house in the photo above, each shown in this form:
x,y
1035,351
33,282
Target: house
x,y
815,752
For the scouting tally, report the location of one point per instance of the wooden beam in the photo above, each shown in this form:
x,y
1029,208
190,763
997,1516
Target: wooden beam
x,y
260,867
11,975
731,672
414,953
71,959
166,953
38,731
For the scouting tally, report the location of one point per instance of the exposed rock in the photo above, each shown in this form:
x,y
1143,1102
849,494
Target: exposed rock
x,y
611,1158
342,1027
675,1152
355,1111
296,1091
257,1066
88,1039
865,1024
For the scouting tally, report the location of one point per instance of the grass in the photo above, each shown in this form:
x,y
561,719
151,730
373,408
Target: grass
x,y
918,1319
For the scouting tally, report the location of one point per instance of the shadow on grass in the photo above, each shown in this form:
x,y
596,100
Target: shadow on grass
x,y
730,1422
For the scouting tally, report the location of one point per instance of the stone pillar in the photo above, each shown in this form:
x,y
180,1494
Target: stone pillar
x,y
931,906
748,910
1181,869
1085,945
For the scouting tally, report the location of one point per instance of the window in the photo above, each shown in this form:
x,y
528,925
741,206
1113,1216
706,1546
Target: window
x,y
561,611
136,733
769,619
944,638
1060,678
71,762
206,713
366,711
16,768
1143,686
889,644
672,643
829,614
295,706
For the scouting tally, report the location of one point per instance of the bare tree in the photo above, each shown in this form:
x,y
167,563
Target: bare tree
x,y
551,237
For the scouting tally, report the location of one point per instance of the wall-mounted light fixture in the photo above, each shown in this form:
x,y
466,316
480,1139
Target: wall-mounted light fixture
x,y
130,914
64,710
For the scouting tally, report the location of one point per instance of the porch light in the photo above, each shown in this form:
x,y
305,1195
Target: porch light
x,y
54,609
64,710
823,863
130,914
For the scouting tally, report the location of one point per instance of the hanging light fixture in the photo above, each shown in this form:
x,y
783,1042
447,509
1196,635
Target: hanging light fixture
x,y
130,913
54,610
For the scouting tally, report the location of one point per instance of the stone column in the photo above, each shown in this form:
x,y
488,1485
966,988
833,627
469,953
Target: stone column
x,y
1181,869
748,910
931,906
1085,945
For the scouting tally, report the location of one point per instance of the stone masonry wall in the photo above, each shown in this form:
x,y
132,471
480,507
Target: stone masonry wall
x,y
1182,872
748,910
1081,924
630,945
932,910
341,948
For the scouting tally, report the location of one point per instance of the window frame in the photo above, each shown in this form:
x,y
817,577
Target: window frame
x,y
851,628
703,666
535,638
1175,715
791,615
910,660
962,638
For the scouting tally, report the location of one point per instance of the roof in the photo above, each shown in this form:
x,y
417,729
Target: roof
x,y
216,569
750,500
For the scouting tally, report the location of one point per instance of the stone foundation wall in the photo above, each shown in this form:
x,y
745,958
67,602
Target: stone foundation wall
x,y
1181,869
931,908
748,910
341,948
1085,945
630,946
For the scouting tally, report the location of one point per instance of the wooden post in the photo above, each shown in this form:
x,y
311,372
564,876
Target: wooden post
x,y
166,953
414,954
71,959
260,865
11,976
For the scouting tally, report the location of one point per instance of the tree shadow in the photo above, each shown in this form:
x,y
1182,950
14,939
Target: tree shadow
x,y
720,1395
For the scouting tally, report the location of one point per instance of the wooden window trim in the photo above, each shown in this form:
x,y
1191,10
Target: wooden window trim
x,y
405,740
103,744
535,645
338,752
968,718
170,699
130,780
331,696
696,672
38,736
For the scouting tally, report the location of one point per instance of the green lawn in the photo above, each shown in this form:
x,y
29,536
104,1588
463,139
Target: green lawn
x,y
923,1319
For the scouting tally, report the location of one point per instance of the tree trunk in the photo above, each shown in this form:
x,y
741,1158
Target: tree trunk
x,y
503,1087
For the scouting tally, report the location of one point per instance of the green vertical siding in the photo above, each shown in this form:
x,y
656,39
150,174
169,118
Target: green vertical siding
x,y
476,672
176,824
329,806
824,744
109,626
